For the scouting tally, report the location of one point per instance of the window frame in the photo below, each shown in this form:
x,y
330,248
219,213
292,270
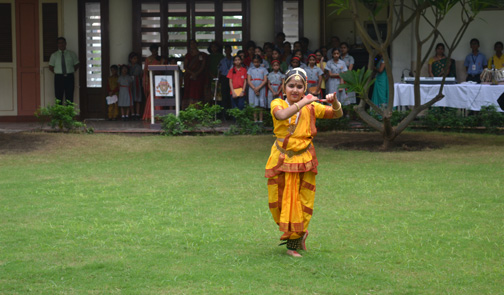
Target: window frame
x,y
279,17
191,29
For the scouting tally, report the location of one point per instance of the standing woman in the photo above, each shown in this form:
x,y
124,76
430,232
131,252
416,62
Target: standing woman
x,y
153,59
195,76
380,90
439,64
292,164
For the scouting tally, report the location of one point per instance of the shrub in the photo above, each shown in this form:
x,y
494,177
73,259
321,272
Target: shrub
x,y
487,117
244,121
195,117
62,116
490,118
342,123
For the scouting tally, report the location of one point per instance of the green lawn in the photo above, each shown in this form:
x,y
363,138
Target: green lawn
x,y
109,214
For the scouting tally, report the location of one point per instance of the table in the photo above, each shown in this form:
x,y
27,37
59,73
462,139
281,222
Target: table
x,y
462,96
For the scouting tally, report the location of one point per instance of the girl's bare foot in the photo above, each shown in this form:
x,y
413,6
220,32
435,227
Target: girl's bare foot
x,y
293,253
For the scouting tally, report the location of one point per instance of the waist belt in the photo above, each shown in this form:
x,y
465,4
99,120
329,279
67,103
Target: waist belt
x,y
256,79
312,82
291,153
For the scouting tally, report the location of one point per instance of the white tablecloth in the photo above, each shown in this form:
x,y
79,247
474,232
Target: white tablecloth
x,y
463,96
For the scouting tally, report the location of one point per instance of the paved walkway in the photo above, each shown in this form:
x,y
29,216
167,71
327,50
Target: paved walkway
x,y
99,126
104,126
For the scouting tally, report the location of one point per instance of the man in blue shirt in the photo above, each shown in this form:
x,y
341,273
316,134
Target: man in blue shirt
x,y
224,66
475,62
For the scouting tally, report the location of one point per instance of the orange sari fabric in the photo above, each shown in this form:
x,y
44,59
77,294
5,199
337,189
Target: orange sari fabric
x,y
291,179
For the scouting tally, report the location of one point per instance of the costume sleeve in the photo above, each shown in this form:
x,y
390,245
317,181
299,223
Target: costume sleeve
x,y
352,60
431,60
323,111
276,105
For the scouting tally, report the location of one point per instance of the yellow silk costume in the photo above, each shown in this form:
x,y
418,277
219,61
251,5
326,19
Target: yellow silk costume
x,y
291,173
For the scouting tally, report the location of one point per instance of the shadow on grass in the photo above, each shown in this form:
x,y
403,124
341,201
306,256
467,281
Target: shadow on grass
x,y
16,143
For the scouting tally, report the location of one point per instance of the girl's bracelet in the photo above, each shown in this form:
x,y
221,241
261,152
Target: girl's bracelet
x,y
297,106
339,108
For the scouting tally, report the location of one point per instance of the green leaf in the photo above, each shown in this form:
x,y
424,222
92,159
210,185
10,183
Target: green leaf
x,y
357,81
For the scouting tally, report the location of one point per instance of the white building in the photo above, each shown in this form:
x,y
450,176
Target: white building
x,y
114,28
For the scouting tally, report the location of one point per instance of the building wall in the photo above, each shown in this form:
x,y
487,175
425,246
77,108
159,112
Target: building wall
x,y
262,22
484,27
120,31
311,23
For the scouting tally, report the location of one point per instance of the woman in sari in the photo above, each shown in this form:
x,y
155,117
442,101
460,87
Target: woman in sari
x,y
195,76
439,64
292,165
153,59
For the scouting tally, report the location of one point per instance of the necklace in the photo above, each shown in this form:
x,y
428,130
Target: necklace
x,y
291,127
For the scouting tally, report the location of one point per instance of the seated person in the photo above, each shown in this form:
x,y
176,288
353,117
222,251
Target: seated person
x,y
475,62
439,64
497,61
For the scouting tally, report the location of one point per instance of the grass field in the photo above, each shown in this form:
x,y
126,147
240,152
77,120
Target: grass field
x,y
109,214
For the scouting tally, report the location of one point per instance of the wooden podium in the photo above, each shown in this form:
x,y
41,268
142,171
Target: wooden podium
x,y
164,84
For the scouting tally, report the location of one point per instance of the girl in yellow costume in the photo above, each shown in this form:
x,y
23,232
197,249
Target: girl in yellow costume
x,y
292,164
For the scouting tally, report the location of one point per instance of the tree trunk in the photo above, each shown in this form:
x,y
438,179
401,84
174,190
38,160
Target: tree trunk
x,y
388,133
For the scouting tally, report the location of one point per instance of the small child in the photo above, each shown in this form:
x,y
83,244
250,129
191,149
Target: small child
x,y
275,82
259,51
313,76
125,82
257,79
333,69
237,76
276,55
294,63
136,89
299,54
113,89
321,64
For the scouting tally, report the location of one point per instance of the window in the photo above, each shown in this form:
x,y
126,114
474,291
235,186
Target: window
x,y
289,19
178,28
49,29
5,32
93,45
172,23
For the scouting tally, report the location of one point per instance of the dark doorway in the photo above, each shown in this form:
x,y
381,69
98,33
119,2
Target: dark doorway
x,y
94,57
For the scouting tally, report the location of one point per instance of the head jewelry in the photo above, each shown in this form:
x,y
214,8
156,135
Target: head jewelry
x,y
298,74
